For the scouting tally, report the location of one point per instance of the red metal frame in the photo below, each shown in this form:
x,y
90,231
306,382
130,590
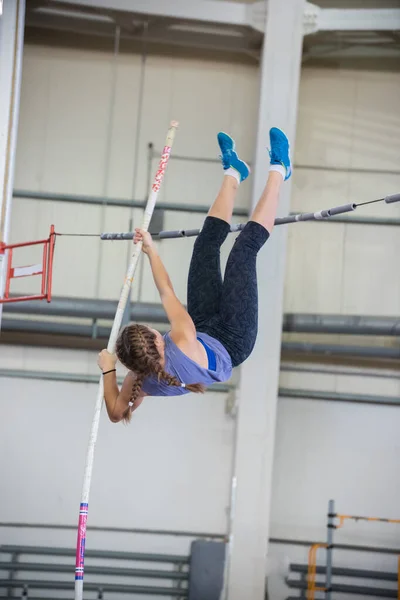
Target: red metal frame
x,y
46,272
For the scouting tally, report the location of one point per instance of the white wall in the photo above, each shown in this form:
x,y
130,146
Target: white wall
x,y
332,450
326,450
62,148
169,469
349,123
347,149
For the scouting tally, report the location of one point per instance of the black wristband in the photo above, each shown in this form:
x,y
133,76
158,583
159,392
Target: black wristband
x,y
110,371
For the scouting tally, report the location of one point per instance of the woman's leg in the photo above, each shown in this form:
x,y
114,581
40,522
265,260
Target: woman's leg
x,y
222,207
265,210
235,171
205,279
239,301
280,170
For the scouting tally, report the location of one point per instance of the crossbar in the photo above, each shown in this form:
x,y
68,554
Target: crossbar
x,y
321,215
180,233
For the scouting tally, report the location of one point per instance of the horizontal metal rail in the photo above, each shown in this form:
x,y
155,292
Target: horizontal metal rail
x,y
120,588
347,572
33,326
307,348
180,207
343,518
290,368
60,329
136,530
219,536
341,324
93,570
324,214
347,547
138,556
121,202
89,308
96,308
222,388
338,397
348,589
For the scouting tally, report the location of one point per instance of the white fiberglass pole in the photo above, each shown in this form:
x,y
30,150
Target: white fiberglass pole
x,y
83,510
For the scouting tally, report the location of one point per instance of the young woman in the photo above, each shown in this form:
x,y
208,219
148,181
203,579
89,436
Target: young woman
x,y
219,329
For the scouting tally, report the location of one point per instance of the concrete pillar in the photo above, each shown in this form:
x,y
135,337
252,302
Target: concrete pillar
x,y
280,73
12,22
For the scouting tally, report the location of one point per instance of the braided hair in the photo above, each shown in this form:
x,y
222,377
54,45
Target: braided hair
x,y
137,350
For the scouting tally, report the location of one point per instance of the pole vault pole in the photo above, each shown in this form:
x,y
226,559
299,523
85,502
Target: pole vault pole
x,y
83,509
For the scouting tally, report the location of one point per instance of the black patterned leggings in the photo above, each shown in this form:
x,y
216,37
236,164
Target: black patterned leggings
x,y
227,310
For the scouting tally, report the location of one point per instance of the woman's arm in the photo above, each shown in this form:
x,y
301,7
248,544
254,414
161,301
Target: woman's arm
x,y
117,401
182,326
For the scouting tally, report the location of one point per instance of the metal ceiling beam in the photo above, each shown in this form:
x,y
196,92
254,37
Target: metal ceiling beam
x,y
158,34
208,11
365,19
252,15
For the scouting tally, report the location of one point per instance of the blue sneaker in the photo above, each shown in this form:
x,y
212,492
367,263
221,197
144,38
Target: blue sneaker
x,y
280,150
229,157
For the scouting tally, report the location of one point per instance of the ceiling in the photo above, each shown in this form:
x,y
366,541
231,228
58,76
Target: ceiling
x,y
46,19
358,3
344,3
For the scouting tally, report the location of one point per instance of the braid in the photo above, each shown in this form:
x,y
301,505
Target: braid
x,y
136,387
198,388
137,350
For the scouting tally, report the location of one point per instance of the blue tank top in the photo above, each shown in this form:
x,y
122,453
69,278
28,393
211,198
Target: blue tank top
x,y
186,370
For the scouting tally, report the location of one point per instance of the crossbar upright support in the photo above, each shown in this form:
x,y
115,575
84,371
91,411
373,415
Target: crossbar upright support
x,y
329,549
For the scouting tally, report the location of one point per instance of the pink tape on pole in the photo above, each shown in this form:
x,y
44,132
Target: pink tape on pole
x,y
161,168
80,545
